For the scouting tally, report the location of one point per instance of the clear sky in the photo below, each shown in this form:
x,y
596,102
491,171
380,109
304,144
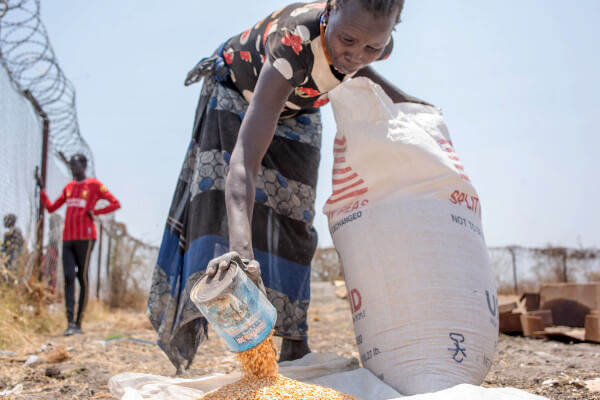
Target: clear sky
x,y
518,82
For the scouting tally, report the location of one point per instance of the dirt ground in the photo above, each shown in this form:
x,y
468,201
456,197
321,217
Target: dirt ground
x,y
123,342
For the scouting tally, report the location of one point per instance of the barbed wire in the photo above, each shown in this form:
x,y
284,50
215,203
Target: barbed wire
x,y
27,55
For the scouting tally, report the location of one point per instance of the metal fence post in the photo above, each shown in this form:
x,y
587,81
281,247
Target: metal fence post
x,y
564,260
108,257
514,265
99,262
44,167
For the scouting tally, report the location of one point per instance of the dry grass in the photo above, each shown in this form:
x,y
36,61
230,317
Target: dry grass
x,y
29,310
98,311
23,316
23,323
83,363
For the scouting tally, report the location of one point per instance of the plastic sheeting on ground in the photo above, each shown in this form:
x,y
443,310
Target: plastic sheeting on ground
x,y
326,369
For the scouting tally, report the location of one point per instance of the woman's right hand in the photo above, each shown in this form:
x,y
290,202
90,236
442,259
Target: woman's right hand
x,y
250,267
38,178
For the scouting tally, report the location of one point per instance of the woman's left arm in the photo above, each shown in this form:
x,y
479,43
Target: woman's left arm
x,y
397,95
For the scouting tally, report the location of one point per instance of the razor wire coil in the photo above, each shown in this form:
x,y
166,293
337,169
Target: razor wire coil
x,y
27,55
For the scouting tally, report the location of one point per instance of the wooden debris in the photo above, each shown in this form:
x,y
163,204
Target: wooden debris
x,y
507,307
566,312
562,334
510,322
531,301
532,325
587,294
545,315
592,328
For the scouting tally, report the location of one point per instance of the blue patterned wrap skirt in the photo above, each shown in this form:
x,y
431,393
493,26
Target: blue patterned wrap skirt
x,y
196,231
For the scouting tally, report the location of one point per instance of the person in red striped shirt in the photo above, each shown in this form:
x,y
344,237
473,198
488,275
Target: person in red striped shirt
x,y
79,233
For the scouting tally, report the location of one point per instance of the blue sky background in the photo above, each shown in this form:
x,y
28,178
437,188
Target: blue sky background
x,y
518,83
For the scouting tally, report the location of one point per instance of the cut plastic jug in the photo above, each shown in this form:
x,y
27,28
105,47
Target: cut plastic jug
x,y
237,310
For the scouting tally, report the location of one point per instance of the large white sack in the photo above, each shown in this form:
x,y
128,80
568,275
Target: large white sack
x,y
358,382
406,222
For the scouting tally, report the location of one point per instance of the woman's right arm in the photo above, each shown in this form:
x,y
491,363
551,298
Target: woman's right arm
x,y
47,203
255,135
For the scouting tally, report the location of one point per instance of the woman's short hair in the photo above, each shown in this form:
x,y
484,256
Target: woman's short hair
x,y
377,7
79,158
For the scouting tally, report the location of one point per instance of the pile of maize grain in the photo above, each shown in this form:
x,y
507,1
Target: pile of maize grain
x,y
261,380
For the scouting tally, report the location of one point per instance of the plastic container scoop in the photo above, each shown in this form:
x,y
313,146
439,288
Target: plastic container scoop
x,y
237,310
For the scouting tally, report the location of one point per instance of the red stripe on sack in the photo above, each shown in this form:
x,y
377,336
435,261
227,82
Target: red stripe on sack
x,y
339,150
339,171
339,160
349,195
344,180
449,149
459,167
454,158
466,178
442,141
342,190
341,142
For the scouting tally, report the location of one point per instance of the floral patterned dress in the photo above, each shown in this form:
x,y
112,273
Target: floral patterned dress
x,y
291,40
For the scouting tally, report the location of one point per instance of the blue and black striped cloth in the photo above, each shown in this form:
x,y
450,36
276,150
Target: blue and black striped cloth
x,y
283,237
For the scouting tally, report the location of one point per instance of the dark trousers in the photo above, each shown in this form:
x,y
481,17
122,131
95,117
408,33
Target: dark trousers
x,y
76,260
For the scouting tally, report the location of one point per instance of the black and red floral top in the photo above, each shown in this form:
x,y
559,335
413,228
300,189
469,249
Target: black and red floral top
x,y
291,39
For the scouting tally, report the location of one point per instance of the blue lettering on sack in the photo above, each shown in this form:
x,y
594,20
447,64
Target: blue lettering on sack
x,y
369,354
359,340
460,353
345,220
467,224
493,305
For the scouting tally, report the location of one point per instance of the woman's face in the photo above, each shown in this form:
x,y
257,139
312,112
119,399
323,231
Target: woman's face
x,y
77,167
355,37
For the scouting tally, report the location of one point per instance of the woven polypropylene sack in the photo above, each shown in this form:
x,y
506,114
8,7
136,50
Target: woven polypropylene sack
x,y
406,222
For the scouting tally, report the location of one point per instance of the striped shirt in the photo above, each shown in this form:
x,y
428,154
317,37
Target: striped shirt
x,y
81,197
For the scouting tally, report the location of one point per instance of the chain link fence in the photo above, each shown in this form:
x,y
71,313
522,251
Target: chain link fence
x,y
517,269
20,153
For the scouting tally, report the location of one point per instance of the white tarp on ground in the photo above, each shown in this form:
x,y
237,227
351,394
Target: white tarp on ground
x,y
326,369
